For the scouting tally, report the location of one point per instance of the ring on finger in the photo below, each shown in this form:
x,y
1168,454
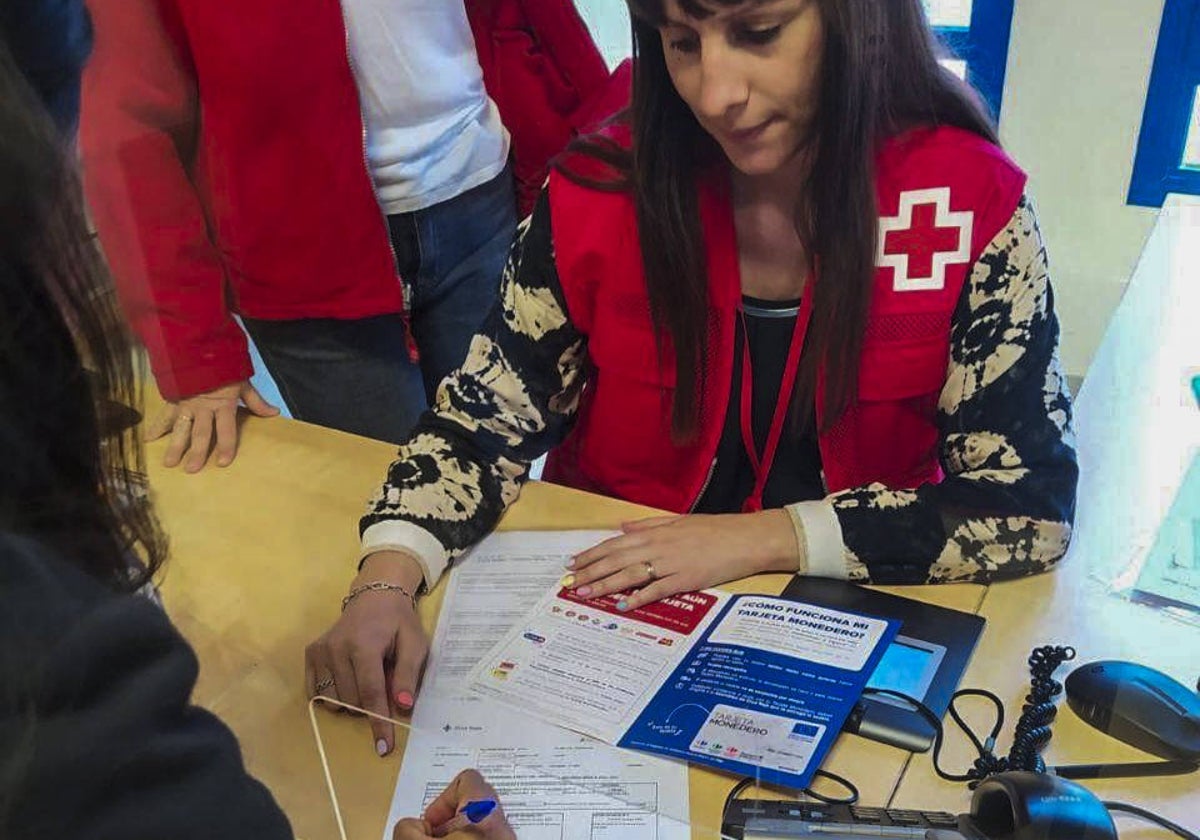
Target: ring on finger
x,y
186,418
650,573
325,685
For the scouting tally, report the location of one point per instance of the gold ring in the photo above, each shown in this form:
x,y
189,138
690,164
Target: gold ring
x,y
650,571
186,418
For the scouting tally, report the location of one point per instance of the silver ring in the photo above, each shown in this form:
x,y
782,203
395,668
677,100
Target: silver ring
x,y
650,571
324,684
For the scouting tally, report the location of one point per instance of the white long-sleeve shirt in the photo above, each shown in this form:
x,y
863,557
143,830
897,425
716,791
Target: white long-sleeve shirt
x,y
432,130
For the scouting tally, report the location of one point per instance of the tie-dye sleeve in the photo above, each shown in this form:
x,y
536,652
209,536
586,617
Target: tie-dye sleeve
x,y
513,399
1006,506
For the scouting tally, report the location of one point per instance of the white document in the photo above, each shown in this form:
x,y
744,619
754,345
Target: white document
x,y
586,666
554,785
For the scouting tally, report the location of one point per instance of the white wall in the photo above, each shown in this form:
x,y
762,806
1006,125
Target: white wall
x,y
1073,99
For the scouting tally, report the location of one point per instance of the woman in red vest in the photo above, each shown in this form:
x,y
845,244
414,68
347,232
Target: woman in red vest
x,y
798,297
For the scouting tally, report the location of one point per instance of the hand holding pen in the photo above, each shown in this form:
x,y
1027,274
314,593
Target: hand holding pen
x,y
467,808
469,816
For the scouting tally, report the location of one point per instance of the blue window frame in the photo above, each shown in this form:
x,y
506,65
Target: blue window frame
x,y
982,43
1168,159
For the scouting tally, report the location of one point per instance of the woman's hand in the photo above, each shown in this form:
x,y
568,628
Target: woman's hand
x,y
669,554
373,655
468,786
193,422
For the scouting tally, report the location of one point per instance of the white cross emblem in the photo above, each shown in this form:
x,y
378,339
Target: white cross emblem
x,y
923,238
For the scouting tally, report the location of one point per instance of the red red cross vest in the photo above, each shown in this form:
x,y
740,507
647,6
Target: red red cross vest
x,y
943,195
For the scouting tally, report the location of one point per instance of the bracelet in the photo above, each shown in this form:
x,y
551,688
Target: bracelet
x,y
378,586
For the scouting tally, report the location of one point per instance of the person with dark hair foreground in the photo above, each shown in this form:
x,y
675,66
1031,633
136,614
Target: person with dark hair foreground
x,y
797,296
98,738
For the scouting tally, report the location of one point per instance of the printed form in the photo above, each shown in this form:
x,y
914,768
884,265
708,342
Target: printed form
x,y
553,784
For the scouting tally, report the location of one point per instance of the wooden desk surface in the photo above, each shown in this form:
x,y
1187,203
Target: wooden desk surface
x,y
261,553
1067,608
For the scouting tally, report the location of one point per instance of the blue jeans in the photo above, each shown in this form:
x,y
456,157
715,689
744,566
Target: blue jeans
x,y
355,375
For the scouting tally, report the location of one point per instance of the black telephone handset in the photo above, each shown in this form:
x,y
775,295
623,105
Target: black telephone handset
x,y
1007,806
1037,806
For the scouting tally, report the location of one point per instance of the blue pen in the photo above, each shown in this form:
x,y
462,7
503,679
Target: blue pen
x,y
471,814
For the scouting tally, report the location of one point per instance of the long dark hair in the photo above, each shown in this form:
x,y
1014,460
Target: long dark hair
x,y
880,77
65,356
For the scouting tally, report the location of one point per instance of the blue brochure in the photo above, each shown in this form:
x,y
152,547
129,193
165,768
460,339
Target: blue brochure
x,y
752,684
765,690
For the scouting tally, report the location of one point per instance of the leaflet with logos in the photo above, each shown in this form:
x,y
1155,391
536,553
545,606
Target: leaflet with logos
x,y
756,685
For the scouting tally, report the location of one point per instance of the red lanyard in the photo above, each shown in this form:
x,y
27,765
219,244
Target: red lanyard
x,y
761,464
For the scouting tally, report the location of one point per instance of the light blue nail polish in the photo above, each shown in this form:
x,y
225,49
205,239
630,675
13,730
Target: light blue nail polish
x,y
622,605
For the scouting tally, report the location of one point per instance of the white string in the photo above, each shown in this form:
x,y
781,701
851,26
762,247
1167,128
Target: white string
x,y
312,717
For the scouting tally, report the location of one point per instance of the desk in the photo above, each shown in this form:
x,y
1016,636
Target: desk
x,y
1138,428
262,553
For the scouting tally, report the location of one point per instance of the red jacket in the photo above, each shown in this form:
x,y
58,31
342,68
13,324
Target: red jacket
x,y
621,445
225,165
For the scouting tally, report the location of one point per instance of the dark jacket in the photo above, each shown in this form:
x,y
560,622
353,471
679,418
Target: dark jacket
x,y
98,739
51,41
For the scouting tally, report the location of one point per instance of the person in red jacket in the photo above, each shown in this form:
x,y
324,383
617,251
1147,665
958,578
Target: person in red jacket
x,y
798,298
99,736
341,178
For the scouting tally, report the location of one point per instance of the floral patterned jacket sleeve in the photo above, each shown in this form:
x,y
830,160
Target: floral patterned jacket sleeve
x,y
513,399
1007,503
1004,509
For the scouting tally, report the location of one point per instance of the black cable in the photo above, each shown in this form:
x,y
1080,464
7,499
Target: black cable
x,y
938,731
1149,816
733,794
1033,728
851,790
1137,769
1032,731
990,744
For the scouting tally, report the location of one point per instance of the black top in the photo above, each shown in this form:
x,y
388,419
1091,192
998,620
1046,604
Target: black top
x,y
98,740
795,474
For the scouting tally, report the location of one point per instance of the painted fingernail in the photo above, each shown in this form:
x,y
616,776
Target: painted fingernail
x,y
571,565
404,699
381,747
583,591
567,582
622,605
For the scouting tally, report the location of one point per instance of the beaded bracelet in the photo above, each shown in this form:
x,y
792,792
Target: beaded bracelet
x,y
378,586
